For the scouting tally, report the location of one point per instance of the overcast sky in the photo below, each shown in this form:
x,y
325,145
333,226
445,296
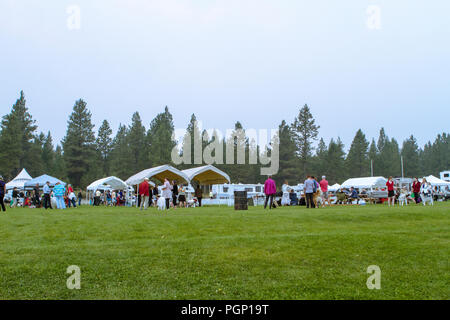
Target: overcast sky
x,y
356,63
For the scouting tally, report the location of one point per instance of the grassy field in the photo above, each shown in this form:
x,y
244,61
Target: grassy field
x,y
219,253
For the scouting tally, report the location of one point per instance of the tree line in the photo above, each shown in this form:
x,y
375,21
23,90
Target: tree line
x,y
85,155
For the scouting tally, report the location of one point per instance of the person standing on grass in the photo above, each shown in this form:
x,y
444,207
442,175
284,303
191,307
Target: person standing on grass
x,y
416,190
59,190
324,187
167,192
144,192
155,193
270,189
2,193
174,193
80,196
15,195
309,186
391,193
36,198
46,196
199,195
71,196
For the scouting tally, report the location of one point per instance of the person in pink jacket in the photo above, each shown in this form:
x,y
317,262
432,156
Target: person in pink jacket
x,y
269,189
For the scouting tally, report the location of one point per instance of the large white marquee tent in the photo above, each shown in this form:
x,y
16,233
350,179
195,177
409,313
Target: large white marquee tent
x,y
207,175
19,181
158,173
365,183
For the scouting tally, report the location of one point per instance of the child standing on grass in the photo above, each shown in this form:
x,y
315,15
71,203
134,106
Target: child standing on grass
x,y
2,193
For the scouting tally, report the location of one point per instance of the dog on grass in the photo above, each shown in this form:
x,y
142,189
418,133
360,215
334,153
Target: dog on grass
x,y
161,203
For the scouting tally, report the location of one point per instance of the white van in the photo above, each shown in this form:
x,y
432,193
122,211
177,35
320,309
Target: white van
x,y
445,175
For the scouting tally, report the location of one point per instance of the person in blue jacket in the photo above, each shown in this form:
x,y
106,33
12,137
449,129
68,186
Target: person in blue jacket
x,y
59,190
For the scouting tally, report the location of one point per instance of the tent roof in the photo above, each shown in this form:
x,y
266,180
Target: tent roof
x,y
112,182
207,175
19,181
334,187
41,180
159,173
434,181
368,182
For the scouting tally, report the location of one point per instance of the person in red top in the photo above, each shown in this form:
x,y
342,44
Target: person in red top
x,y
144,192
324,187
270,189
391,193
416,189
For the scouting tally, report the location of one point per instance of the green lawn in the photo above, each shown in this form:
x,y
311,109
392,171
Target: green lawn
x,y
219,253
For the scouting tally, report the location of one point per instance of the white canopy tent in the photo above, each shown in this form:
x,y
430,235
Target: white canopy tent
x,y
365,183
108,183
335,187
436,182
112,182
19,181
207,175
158,173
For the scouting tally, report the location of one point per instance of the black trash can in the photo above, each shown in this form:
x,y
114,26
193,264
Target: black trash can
x,y
240,200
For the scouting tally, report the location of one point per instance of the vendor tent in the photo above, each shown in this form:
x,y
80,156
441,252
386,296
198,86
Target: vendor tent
x,y
112,183
334,187
207,175
365,183
41,180
158,173
19,181
436,182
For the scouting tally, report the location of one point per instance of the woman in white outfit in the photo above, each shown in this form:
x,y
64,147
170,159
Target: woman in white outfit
x,y
285,200
426,192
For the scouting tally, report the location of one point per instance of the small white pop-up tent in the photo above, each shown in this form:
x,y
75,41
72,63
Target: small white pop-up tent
x,y
158,173
365,183
112,183
108,183
207,175
436,182
19,181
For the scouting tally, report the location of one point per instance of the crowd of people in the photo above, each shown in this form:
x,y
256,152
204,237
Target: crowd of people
x,y
172,195
58,197
315,194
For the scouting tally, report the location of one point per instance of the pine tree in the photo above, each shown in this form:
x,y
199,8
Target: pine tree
x,y
104,145
17,139
160,139
288,169
48,155
60,169
336,162
411,161
192,144
34,157
357,161
305,133
373,156
78,145
120,156
320,163
137,144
